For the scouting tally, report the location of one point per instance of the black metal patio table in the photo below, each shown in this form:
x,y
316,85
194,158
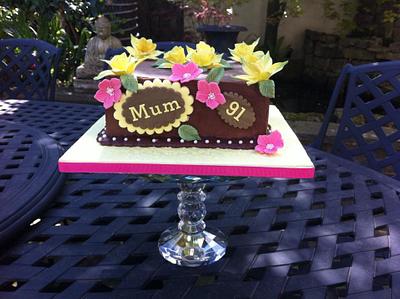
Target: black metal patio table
x,y
333,236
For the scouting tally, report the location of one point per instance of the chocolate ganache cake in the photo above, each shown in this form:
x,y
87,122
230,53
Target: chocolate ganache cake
x,y
188,98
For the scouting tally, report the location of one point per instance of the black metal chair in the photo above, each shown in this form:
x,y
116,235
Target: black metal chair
x,y
372,102
28,69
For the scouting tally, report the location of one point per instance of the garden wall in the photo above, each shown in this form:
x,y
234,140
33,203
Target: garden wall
x,y
326,54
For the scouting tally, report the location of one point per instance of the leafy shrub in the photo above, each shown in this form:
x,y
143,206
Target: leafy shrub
x,y
65,24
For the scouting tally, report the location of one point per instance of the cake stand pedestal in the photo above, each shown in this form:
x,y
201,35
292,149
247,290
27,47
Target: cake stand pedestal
x,y
191,243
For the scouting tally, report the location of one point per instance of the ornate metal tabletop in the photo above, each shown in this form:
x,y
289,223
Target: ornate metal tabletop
x,y
29,177
333,236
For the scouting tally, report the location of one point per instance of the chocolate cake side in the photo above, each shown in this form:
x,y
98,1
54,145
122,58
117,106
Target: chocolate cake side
x,y
215,128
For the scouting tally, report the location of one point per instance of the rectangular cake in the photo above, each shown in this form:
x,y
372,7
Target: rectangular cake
x,y
186,105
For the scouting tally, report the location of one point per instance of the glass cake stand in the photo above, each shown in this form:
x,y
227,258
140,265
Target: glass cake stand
x,y
191,243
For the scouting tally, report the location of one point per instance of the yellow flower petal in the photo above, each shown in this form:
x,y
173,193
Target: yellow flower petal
x,y
243,50
122,64
190,51
259,68
243,77
204,56
277,67
142,48
176,55
133,39
266,61
255,43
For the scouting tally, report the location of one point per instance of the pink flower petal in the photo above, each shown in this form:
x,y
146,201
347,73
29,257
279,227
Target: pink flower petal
x,y
191,67
178,69
116,83
186,80
197,73
117,95
174,78
201,96
276,139
279,144
270,150
203,86
262,139
104,84
214,88
100,96
192,76
260,149
212,104
107,104
220,98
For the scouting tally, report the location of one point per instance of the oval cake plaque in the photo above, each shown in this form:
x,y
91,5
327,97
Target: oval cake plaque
x,y
237,111
157,107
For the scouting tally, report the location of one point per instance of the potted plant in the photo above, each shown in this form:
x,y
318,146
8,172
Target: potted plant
x,y
214,18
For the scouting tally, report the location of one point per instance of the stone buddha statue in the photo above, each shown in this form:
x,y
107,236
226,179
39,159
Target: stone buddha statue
x,y
96,49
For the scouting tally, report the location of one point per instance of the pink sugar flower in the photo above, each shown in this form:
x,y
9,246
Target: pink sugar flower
x,y
185,72
210,94
269,144
109,92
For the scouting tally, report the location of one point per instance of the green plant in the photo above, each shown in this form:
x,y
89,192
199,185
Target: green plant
x,y
65,24
276,10
363,17
280,51
218,12
358,17
343,12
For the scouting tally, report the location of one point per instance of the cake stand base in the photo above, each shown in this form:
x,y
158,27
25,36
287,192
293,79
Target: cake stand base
x,y
192,250
191,244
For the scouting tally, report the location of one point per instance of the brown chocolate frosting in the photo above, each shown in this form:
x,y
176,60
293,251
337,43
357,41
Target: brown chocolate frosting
x,y
209,124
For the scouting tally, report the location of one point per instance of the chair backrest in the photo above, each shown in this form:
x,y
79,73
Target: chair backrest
x,y
162,46
369,129
28,69
166,46
111,52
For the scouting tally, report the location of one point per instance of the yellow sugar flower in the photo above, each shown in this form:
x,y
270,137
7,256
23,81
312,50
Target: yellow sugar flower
x,y
260,70
120,65
253,57
143,48
242,50
175,56
204,56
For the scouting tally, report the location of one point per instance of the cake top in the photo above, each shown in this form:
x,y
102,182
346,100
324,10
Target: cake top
x,y
147,70
186,64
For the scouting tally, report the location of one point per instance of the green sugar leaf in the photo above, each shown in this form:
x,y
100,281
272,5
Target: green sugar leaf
x,y
164,66
216,74
129,82
159,62
267,88
188,133
225,64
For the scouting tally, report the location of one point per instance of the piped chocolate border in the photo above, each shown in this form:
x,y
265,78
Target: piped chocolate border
x,y
159,141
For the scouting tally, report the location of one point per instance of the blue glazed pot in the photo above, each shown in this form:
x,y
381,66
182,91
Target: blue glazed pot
x,y
221,37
